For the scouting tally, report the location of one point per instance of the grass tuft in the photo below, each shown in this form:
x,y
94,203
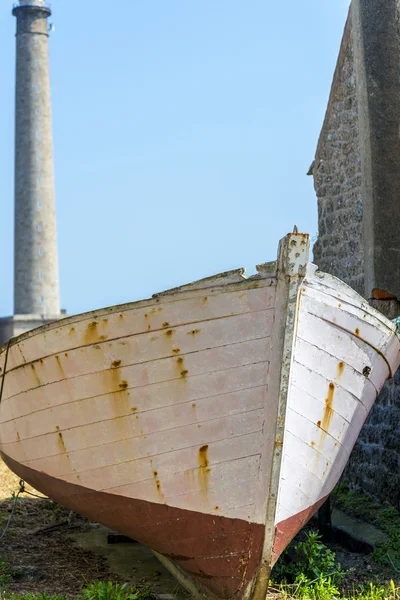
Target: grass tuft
x,y
107,590
313,573
96,590
308,571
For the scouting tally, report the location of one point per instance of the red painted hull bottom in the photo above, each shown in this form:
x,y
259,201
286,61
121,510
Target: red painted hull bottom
x,y
287,529
222,554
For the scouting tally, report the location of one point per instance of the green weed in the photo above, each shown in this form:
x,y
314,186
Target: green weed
x,y
323,589
376,592
6,574
313,564
107,590
41,596
96,590
314,575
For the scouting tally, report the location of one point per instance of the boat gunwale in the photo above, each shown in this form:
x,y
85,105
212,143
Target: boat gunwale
x,y
130,335
247,283
326,280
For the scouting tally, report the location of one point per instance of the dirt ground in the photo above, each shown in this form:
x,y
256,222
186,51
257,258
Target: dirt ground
x,y
52,550
45,561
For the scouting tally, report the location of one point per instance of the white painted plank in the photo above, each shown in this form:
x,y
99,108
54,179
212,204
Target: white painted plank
x,y
225,485
202,396
310,459
310,387
349,349
139,349
329,367
139,469
117,446
348,316
155,372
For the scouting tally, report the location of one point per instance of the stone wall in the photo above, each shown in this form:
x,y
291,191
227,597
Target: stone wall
x,y
375,461
356,177
337,177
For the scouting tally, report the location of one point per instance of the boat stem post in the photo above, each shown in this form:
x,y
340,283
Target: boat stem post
x,y
291,269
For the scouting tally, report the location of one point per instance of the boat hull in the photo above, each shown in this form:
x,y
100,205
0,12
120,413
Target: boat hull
x,y
343,353
209,422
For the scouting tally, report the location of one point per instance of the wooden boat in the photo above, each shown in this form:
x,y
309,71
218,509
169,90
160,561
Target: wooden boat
x,y
209,422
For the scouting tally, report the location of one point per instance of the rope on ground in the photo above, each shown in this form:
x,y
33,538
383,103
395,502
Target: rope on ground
x,y
36,495
20,491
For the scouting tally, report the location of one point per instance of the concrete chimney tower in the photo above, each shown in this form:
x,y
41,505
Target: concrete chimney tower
x,y
36,287
36,282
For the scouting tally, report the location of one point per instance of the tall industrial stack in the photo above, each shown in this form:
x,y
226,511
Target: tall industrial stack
x,y
36,282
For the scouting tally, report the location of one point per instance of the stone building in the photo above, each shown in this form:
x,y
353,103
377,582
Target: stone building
x,y
356,174
36,286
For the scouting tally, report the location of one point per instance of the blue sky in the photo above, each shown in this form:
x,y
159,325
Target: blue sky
x,y
183,131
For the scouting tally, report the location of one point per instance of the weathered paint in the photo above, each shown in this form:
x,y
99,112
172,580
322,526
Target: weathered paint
x,y
158,417
344,351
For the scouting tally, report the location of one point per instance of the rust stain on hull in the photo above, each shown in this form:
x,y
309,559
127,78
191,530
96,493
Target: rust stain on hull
x,y
203,470
181,367
121,400
340,370
158,486
91,334
60,367
328,412
61,443
35,375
